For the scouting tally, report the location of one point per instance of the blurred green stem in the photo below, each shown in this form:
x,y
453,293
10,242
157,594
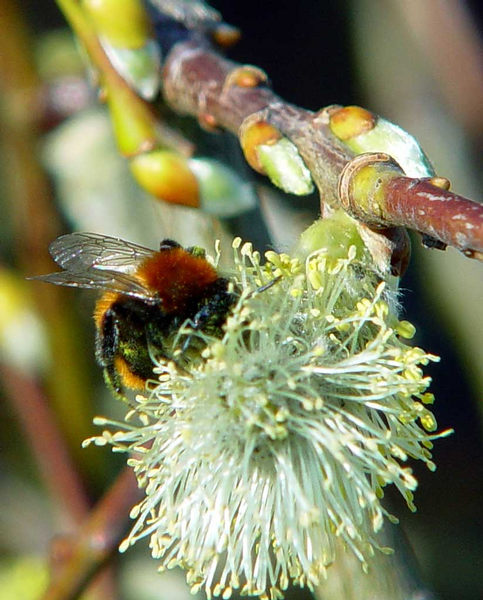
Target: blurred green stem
x,y
138,111
35,223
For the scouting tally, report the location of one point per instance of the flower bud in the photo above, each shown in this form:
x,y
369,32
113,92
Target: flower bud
x,y
351,121
269,153
223,192
363,131
335,234
140,68
284,166
167,176
252,135
125,31
123,23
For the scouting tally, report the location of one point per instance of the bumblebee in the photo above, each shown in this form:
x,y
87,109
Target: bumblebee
x,y
147,296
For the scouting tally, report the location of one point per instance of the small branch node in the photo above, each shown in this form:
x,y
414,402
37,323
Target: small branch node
x,y
226,35
440,182
322,117
254,131
360,182
246,76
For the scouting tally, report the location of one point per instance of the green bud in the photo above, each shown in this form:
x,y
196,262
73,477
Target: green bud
x,y
134,126
284,166
124,23
393,140
336,234
223,193
139,67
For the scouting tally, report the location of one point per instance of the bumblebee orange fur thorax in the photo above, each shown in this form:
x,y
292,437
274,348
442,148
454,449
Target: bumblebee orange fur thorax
x,y
177,276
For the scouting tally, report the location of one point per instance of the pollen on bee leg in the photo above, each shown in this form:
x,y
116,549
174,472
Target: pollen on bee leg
x,y
129,379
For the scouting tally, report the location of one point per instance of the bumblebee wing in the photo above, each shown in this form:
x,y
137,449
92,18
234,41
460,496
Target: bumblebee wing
x,y
92,260
104,279
78,252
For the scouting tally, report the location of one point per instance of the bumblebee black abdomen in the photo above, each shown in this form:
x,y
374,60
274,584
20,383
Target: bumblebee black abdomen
x,y
122,347
130,332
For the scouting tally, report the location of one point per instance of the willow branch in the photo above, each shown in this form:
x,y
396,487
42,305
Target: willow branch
x,y
200,82
373,189
438,213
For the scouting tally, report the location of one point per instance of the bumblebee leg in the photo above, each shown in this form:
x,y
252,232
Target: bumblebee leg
x,y
212,315
196,251
107,345
216,308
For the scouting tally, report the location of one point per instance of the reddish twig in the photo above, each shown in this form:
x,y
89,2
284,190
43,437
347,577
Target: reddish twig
x,y
444,215
49,448
200,82
373,190
85,553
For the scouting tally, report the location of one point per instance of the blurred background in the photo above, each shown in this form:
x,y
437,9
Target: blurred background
x,y
418,64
